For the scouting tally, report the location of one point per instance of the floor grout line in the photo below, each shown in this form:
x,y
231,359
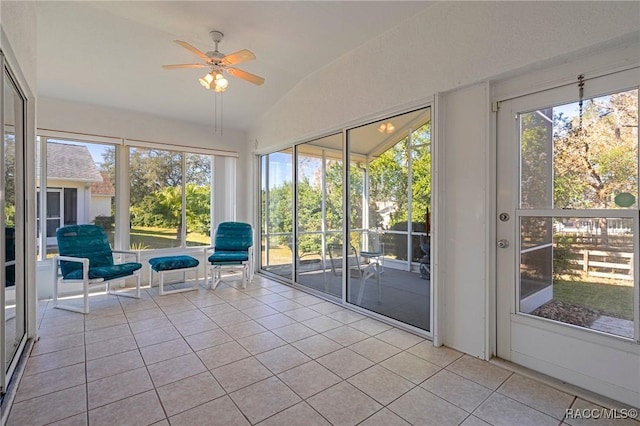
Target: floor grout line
x,y
179,304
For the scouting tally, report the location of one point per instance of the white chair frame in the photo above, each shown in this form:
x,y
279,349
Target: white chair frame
x,y
216,270
87,283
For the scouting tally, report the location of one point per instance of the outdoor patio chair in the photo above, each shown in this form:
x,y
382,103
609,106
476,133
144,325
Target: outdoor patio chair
x,y
86,258
425,262
233,248
371,266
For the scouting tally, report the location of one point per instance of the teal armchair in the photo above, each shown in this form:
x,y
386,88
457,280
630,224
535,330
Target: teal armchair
x,y
86,257
233,248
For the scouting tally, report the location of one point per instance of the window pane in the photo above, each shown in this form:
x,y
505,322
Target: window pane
x,y
156,198
80,187
198,184
278,208
383,257
421,178
334,195
319,206
53,204
579,271
594,152
70,206
12,260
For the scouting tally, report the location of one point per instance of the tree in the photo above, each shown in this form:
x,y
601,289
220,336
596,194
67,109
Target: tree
x,y
155,188
389,179
164,209
280,213
595,157
151,170
10,179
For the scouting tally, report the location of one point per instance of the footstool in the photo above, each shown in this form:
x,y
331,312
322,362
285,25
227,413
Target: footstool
x,y
166,264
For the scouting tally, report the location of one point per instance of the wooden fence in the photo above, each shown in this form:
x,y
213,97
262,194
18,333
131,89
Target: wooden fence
x,y
606,264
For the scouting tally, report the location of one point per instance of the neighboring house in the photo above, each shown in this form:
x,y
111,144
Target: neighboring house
x,y
101,195
76,190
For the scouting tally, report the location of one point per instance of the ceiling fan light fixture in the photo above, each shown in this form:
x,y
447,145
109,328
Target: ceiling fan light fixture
x,y
206,80
386,128
221,83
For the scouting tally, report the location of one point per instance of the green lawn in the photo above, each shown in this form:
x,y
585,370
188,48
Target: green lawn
x,y
611,300
145,238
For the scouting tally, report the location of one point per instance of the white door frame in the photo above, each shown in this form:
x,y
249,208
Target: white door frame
x,y
553,348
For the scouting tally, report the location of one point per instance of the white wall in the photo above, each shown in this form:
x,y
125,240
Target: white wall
x,y
463,199
100,206
450,48
18,22
449,45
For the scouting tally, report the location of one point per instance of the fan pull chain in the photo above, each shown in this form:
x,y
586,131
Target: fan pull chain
x,y
581,96
215,114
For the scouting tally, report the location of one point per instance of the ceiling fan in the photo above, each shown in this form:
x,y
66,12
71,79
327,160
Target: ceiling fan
x,y
219,62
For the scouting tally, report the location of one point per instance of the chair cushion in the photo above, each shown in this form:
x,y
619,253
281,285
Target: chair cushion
x,y
87,241
233,236
228,257
106,272
169,263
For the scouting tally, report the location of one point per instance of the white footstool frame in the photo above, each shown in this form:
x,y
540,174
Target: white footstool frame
x,y
184,271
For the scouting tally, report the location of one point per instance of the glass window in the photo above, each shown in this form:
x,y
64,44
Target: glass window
x,y
12,221
198,207
577,268
155,198
385,252
277,202
582,278
319,214
389,199
581,159
80,187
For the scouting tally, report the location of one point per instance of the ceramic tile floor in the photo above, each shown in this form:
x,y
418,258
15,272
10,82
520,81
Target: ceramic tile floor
x,y
267,355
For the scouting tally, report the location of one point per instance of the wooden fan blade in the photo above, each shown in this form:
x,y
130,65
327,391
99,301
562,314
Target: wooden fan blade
x,y
192,49
178,66
239,57
251,78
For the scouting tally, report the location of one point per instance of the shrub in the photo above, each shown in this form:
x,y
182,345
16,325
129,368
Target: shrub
x,y
105,222
564,263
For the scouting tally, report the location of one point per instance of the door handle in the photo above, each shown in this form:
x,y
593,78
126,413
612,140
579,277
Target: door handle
x,y
503,243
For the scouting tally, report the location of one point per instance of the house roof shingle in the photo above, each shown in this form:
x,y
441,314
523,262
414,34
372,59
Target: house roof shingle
x,y
103,188
71,162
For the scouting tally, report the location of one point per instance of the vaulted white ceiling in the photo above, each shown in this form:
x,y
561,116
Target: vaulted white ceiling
x,y
110,53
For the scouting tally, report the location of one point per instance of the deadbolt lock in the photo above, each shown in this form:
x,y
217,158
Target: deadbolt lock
x,y
504,217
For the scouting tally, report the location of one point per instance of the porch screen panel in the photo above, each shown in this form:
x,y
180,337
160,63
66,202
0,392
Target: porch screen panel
x,y
389,194
277,210
155,198
319,214
578,201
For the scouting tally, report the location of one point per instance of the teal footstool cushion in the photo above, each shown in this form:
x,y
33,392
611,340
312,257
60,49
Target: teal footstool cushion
x,y
170,263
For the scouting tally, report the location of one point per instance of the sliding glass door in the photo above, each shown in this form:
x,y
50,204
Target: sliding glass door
x,y
12,226
277,213
389,221
319,214
354,224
